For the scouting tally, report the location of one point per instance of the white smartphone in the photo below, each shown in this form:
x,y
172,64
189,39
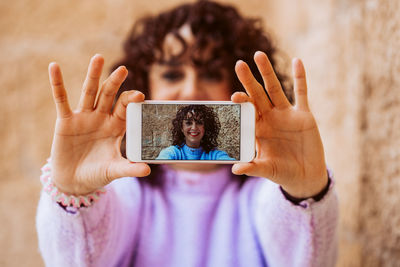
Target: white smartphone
x,y
190,131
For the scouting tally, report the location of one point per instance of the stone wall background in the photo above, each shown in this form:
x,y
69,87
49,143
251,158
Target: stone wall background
x,y
350,50
157,119
351,53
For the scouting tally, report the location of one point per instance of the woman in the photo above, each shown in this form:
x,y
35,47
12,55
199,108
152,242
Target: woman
x,y
188,214
195,132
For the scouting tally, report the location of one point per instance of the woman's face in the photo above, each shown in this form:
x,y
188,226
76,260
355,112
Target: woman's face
x,y
181,80
193,130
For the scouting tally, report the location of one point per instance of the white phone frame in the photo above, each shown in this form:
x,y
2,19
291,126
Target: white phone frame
x,y
134,132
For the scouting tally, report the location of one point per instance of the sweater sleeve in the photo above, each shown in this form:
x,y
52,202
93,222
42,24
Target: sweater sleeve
x,y
296,235
100,235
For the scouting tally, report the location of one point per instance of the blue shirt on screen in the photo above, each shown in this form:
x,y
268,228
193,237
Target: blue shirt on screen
x,y
187,153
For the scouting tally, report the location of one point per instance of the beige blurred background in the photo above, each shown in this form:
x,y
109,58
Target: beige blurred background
x,y
351,52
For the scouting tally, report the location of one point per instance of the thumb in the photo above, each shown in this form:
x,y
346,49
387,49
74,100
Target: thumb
x,y
243,168
256,168
125,168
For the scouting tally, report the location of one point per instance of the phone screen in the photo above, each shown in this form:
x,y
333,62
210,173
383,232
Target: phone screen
x,y
190,132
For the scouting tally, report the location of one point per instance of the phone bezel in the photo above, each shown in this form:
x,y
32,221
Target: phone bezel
x,y
134,132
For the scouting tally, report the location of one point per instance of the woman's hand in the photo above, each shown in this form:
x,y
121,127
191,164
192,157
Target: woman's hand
x,y
288,143
85,154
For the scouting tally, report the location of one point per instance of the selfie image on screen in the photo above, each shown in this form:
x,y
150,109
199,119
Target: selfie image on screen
x,y
190,132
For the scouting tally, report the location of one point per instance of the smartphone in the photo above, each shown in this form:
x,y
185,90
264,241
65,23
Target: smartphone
x,y
190,131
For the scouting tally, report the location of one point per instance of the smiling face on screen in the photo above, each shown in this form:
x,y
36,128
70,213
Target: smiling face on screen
x,y
193,130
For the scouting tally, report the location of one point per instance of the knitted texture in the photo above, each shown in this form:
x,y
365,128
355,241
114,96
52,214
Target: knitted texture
x,y
65,199
191,219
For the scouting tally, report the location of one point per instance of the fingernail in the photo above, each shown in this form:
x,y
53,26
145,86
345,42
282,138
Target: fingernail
x,y
260,53
137,93
96,56
52,64
295,59
239,61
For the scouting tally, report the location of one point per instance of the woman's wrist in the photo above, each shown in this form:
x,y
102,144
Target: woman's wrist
x,y
66,200
296,199
308,189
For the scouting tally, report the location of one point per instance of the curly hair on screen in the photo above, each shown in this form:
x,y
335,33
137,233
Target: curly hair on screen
x,y
198,113
231,36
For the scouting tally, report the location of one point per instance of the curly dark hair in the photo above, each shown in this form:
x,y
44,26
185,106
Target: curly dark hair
x,y
220,26
231,36
201,114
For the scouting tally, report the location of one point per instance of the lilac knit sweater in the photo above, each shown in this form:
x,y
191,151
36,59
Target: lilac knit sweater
x,y
194,219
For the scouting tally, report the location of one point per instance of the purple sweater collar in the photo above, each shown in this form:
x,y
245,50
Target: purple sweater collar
x,y
197,182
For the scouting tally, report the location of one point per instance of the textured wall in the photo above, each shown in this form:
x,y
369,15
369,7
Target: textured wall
x,y
327,36
350,49
351,53
380,141
157,122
